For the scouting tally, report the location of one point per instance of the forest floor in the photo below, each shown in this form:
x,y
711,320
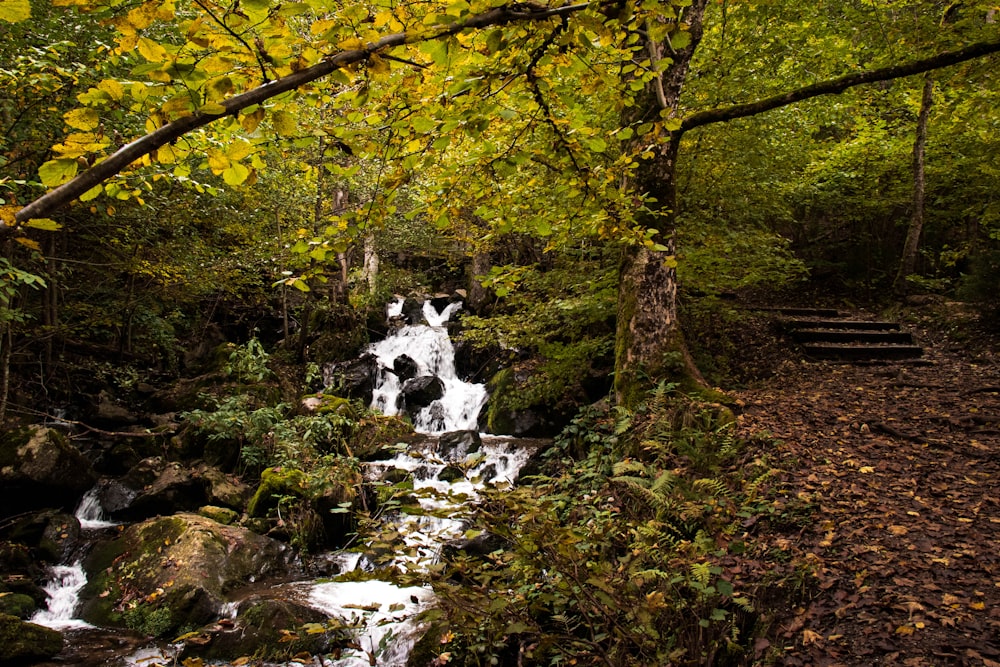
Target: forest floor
x,y
894,473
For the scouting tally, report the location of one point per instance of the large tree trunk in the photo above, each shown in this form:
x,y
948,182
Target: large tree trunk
x,y
649,344
908,261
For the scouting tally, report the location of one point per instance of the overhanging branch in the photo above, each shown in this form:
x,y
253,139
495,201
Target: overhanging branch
x,y
58,197
840,84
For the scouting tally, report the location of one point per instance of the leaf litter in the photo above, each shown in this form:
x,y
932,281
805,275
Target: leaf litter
x,y
883,544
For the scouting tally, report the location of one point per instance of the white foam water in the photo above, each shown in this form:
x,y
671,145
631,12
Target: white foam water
x,y
64,594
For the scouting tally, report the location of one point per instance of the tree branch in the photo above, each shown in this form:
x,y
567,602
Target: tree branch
x,y
45,205
840,84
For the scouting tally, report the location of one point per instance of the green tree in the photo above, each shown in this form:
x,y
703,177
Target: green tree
x,y
583,105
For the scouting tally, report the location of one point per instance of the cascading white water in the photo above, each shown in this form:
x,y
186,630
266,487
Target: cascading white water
x,y
90,513
430,347
64,590
388,612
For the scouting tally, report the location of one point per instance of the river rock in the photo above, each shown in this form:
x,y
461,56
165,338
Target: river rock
x,y
159,488
354,378
422,391
405,367
40,468
269,629
171,572
413,311
23,643
456,445
51,535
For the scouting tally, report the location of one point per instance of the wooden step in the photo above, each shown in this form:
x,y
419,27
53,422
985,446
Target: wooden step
x,y
878,337
845,352
794,311
841,324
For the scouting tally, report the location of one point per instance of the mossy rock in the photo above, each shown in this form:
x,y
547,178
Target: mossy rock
x,y
23,643
276,483
222,515
375,432
40,468
174,572
265,629
17,604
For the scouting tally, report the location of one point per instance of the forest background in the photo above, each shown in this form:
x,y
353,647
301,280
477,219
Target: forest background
x,y
179,175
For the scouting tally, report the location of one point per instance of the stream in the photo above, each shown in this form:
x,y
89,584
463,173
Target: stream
x,y
385,614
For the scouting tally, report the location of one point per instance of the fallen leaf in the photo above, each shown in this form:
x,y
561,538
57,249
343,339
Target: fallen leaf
x,y
898,530
809,637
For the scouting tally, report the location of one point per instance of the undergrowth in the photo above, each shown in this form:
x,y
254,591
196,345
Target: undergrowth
x,y
614,552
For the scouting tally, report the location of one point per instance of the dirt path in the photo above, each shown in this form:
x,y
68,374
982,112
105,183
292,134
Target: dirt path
x,y
895,473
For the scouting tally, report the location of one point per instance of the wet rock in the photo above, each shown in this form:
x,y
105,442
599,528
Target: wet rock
x,y
51,535
160,488
405,367
269,629
22,642
422,391
476,547
110,412
413,311
17,604
171,572
354,378
223,489
451,474
222,515
456,445
40,468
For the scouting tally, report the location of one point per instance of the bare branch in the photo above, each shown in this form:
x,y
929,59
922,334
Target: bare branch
x,y
840,84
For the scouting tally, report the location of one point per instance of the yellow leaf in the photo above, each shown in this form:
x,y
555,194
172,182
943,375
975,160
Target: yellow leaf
x,y
112,88
949,599
47,224
979,606
82,119
212,108
15,11
217,161
898,530
351,44
29,243
8,212
250,121
235,174
239,149
151,51
177,106
284,123
866,469
239,662
904,630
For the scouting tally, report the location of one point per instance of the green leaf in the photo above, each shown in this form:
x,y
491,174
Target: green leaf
x,y
91,193
597,144
15,11
284,123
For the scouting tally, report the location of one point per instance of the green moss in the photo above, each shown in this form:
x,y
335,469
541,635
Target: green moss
x,y
26,642
275,483
17,604
222,515
150,620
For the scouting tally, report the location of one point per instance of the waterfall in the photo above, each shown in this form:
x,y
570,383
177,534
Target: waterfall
x,y
386,614
90,513
430,348
63,589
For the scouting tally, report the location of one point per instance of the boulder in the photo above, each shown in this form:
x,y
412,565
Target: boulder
x,y
421,391
456,445
40,468
171,572
269,629
51,535
160,488
413,311
23,643
405,367
354,378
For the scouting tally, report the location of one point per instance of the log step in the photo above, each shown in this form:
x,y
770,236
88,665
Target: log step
x,y
841,324
794,311
878,337
862,352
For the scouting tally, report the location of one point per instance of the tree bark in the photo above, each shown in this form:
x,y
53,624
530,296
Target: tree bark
x,y
908,261
649,344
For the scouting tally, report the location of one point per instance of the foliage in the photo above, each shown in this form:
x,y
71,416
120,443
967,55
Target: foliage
x,y
561,314
613,556
980,286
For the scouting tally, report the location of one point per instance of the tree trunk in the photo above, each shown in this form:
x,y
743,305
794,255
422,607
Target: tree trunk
x,y
369,270
649,344
908,261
